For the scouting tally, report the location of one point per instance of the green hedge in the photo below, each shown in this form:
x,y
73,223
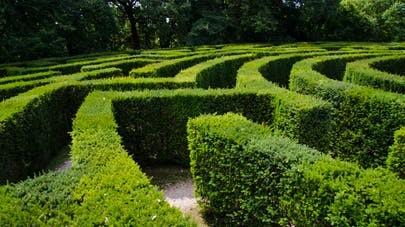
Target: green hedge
x,y
104,186
366,118
35,125
13,89
394,65
29,77
275,70
130,84
75,67
245,176
171,67
223,74
336,193
396,157
125,65
215,73
365,73
30,136
269,69
63,67
31,132
153,123
23,152
14,71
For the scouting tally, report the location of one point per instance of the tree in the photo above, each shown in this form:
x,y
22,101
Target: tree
x,y
42,28
131,9
386,17
86,22
394,21
237,21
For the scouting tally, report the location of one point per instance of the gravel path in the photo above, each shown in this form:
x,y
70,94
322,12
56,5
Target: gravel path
x,y
64,166
181,195
177,185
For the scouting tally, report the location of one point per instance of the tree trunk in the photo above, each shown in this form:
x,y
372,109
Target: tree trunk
x,y
136,44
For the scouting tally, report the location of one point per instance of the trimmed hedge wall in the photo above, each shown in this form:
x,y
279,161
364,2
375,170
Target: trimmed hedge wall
x,y
125,65
14,71
366,118
365,73
104,186
216,73
393,65
396,157
31,132
274,70
245,176
130,84
35,125
153,123
30,77
12,89
272,176
270,70
190,74
169,68
172,67
223,74
65,68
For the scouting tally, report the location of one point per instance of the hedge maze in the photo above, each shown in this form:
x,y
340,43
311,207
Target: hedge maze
x,y
294,135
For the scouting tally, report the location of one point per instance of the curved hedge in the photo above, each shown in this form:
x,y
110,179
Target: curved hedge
x,y
15,88
396,156
366,118
104,187
153,123
200,73
35,76
125,65
365,73
246,176
129,122
172,67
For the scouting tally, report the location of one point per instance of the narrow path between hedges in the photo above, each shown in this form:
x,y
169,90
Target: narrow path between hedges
x,y
177,185
61,161
175,182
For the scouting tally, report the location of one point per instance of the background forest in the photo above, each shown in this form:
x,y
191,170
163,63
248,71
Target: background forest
x,y
42,28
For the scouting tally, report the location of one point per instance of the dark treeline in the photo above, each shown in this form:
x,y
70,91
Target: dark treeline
x,y
41,28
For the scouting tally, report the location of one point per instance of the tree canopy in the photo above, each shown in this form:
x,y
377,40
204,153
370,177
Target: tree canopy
x,y
41,28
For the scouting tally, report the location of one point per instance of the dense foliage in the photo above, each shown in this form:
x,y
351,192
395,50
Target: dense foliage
x,y
322,151
38,28
245,175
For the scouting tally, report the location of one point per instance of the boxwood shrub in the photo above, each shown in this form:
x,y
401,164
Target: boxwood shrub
x,y
15,88
33,127
153,123
216,73
366,73
30,77
35,124
366,118
104,186
396,156
125,65
65,65
247,176
172,67
393,65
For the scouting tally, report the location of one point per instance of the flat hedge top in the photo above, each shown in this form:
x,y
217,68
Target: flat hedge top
x,y
101,165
